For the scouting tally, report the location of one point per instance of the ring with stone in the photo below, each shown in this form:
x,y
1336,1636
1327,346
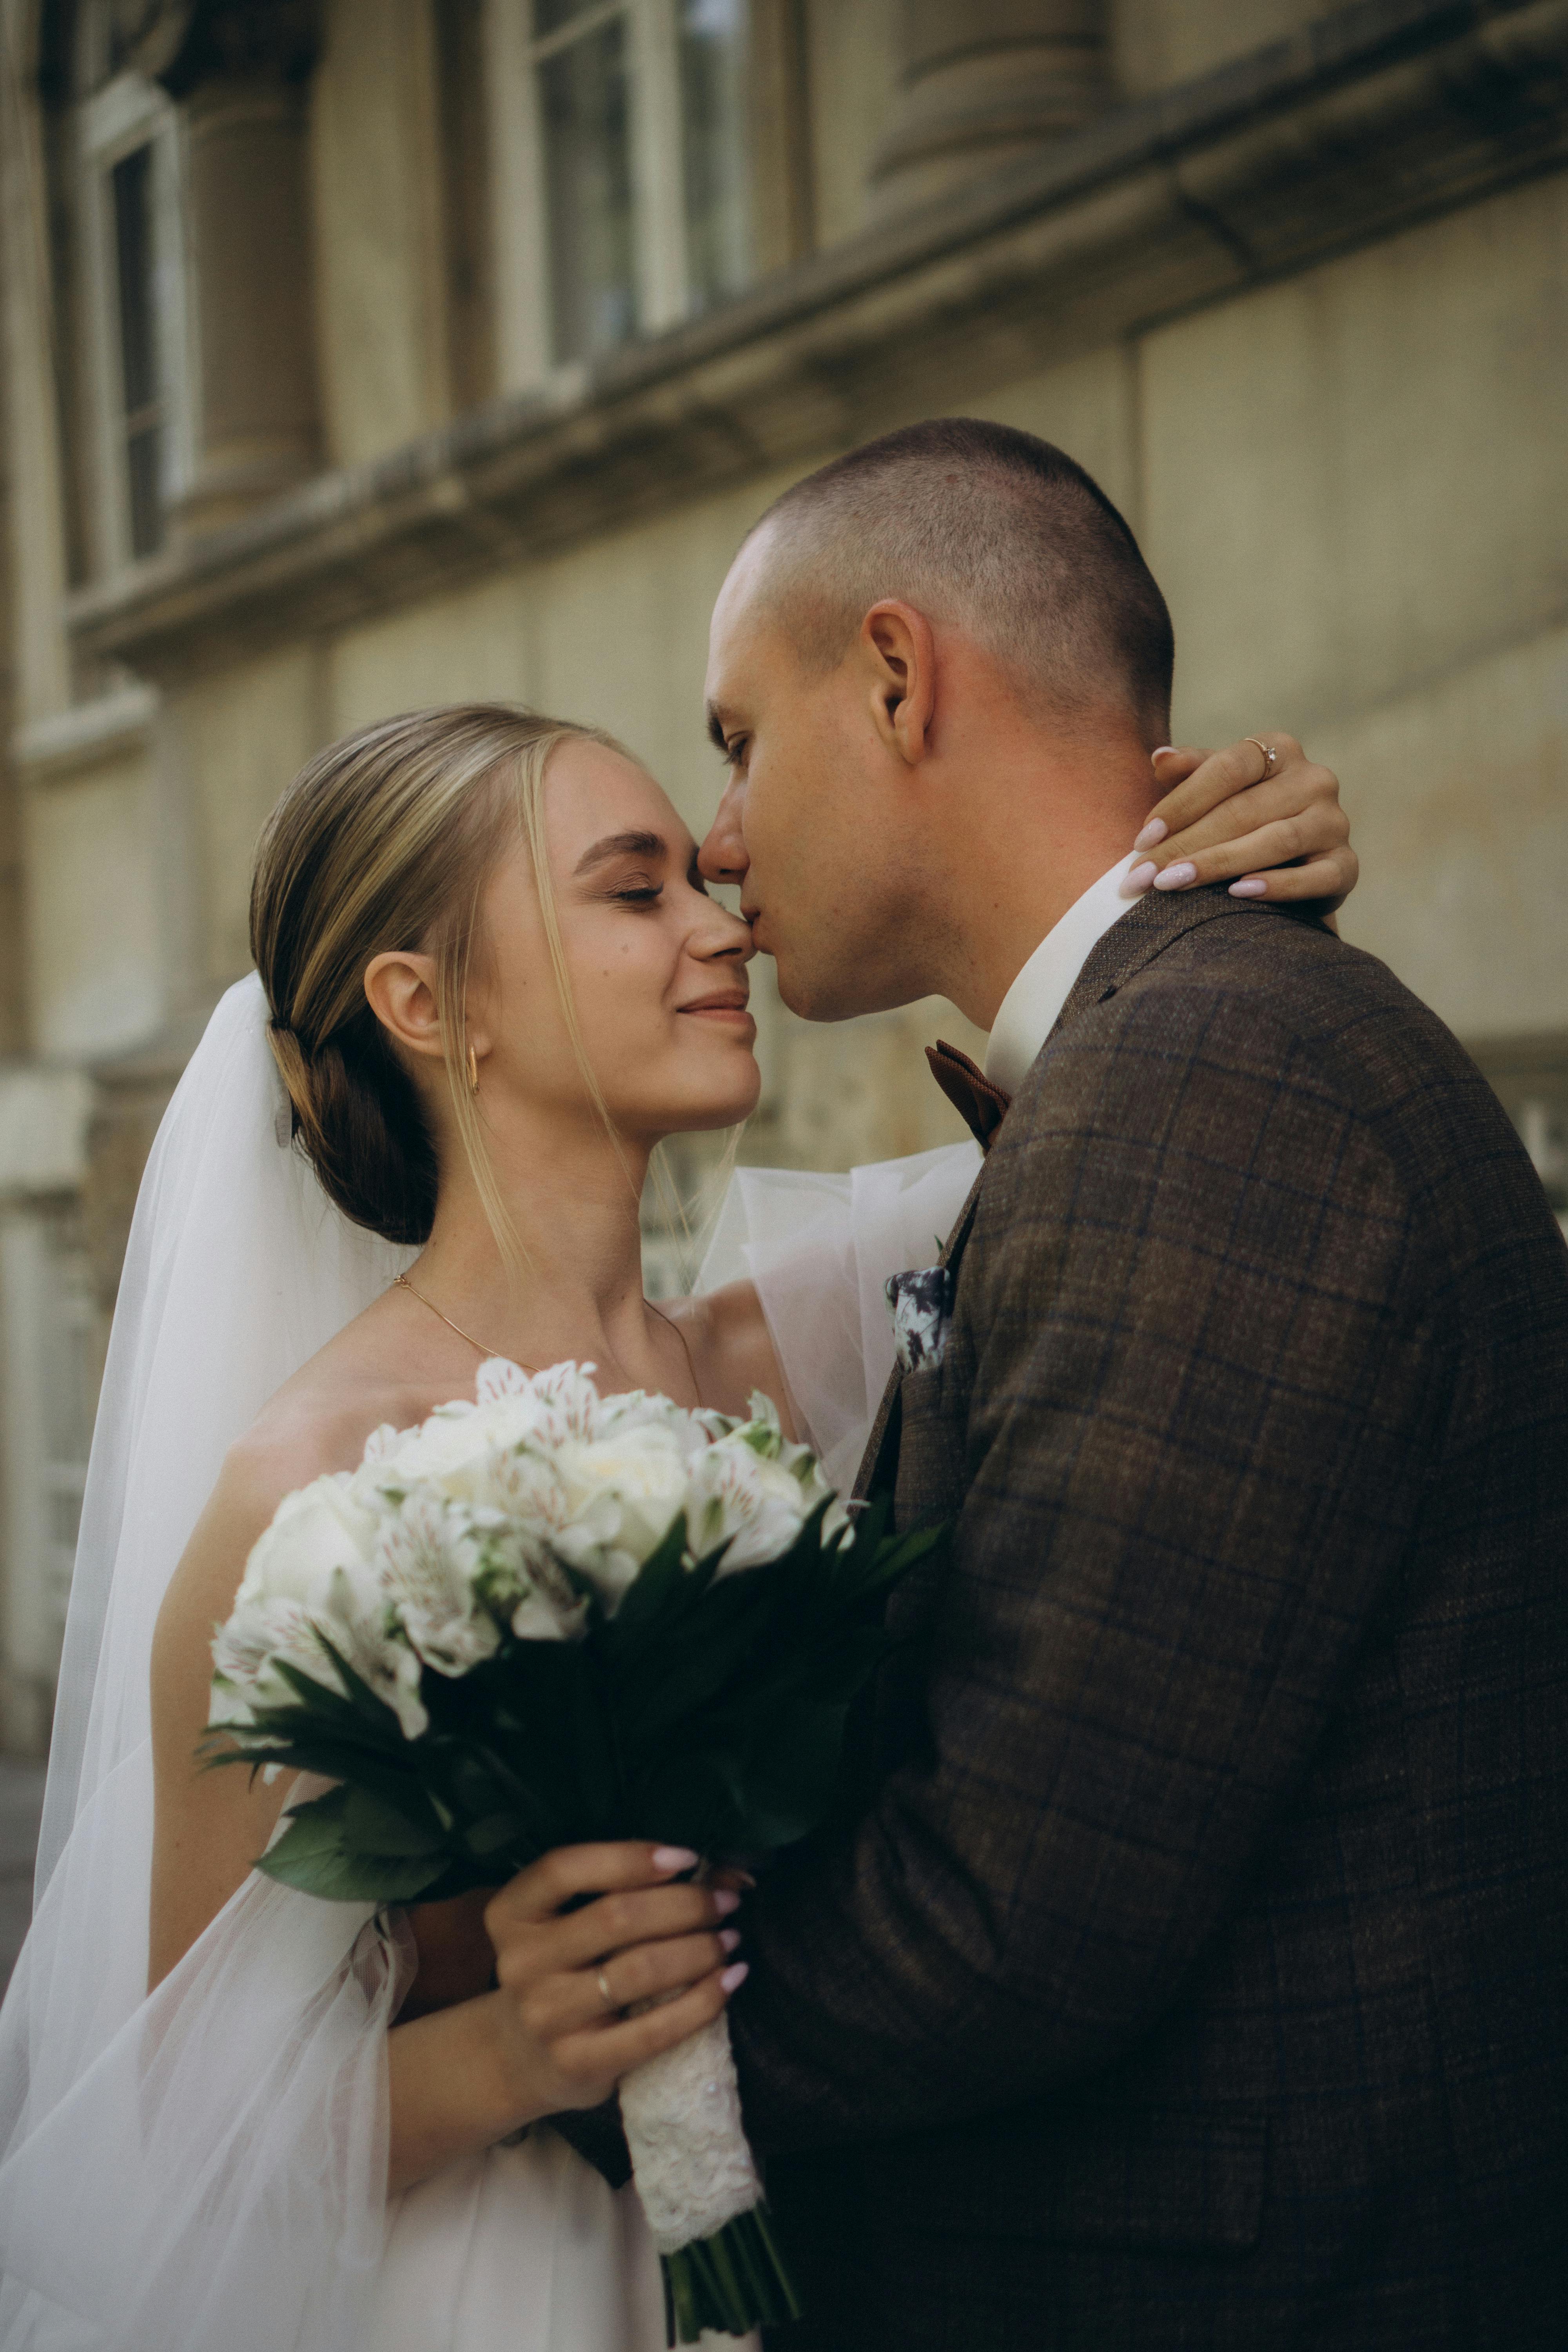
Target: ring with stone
x,y
1271,758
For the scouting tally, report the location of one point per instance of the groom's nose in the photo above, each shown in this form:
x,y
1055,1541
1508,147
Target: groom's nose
x,y
723,856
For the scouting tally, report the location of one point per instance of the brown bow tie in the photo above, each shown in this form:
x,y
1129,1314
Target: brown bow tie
x,y
982,1106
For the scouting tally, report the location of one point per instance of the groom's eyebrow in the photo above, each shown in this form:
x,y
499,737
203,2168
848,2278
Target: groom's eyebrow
x,y
620,844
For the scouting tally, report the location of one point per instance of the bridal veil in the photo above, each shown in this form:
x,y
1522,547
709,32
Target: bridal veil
x,y
206,2167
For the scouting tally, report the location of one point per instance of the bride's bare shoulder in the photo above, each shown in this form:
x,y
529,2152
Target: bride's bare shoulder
x,y
316,1423
733,1350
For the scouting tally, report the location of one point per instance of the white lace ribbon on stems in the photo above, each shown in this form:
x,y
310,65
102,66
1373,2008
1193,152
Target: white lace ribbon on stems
x,y
694,2166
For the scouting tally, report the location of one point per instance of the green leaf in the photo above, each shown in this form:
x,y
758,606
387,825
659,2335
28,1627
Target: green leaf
x,y
320,1854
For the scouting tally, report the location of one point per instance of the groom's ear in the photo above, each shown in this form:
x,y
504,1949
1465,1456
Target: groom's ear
x,y
899,651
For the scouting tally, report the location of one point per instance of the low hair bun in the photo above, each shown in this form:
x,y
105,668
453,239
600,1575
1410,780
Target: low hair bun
x,y
359,1123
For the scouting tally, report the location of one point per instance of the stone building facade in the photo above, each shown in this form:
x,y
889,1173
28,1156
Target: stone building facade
x,y
360,354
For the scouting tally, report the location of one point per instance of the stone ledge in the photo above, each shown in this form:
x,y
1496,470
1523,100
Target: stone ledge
x,y
70,740
1370,118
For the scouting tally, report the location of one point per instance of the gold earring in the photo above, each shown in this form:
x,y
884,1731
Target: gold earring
x,y
473,1072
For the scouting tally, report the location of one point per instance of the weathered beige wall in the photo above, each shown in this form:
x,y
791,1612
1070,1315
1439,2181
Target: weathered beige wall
x,y
1459,794
1154,43
93,926
381,319
464,647
1357,480
240,736
1361,540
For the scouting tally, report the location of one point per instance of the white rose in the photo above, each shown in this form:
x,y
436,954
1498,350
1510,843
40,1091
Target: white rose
x,y
624,1495
323,1526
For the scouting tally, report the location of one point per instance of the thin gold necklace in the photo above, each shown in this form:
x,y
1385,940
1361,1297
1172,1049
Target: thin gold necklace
x,y
401,1282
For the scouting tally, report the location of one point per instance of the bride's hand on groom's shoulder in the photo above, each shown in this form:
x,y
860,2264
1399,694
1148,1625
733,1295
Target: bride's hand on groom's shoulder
x,y
1277,833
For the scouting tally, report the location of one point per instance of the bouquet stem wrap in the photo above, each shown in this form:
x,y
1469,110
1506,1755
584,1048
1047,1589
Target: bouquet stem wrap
x,y
697,2182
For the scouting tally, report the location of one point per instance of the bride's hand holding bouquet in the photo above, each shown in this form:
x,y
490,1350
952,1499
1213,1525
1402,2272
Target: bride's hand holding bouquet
x,y
514,1636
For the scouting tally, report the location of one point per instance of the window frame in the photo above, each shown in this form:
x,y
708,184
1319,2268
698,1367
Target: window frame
x,y
126,114
524,293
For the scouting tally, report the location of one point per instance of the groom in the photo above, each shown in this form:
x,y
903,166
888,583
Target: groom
x,y
1192,1969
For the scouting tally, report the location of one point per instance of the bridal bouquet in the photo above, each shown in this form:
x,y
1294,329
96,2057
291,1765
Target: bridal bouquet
x,y
548,1618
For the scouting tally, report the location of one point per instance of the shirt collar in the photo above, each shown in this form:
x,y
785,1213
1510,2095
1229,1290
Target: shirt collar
x,y
1027,1014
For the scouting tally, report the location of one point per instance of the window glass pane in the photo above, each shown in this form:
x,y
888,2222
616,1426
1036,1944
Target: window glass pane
x,y
130,186
584,105
142,453
133,184
718,162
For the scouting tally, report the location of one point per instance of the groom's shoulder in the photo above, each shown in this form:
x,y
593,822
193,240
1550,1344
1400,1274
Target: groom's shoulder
x,y
1250,992
1258,1031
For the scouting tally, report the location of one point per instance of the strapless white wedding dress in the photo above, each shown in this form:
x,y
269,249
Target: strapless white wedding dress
x,y
523,2249
206,2167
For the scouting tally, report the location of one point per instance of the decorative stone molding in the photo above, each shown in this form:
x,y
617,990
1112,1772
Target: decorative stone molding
x,y
239,68
1385,113
71,739
985,83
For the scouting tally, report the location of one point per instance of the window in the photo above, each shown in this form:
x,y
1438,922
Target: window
x,y
141,405
134,287
645,163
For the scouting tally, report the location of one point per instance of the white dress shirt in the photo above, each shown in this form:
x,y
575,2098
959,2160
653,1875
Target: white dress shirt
x,y
1027,1014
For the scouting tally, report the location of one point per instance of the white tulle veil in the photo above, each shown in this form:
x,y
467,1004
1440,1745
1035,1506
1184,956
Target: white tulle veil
x,y
206,2168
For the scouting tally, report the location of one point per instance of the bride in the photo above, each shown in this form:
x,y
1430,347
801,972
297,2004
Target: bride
x,y
489,980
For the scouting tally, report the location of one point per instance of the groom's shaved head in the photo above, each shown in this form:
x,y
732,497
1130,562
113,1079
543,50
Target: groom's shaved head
x,y
992,531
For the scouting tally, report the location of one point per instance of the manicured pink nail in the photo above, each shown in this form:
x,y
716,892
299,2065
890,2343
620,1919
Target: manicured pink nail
x,y
725,1900
735,1977
729,1937
1253,887
1137,878
1176,878
1160,750
1152,835
674,1857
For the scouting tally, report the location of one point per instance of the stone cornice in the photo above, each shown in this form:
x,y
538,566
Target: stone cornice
x,y
1379,115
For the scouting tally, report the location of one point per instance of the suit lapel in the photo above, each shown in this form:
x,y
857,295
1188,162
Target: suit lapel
x,y
1155,923
884,1437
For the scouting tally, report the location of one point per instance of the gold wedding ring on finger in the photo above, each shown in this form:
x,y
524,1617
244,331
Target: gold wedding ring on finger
x,y
604,1984
1271,758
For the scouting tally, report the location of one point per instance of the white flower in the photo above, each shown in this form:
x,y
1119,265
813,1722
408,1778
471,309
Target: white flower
x,y
623,1495
433,1559
740,1498
326,1525
549,1610
348,1605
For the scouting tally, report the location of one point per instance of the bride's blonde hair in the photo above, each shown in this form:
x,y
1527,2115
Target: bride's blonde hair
x,y
385,841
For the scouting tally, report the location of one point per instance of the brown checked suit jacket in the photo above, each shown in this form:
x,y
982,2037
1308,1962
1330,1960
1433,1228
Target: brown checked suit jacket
x,y
1191,1971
